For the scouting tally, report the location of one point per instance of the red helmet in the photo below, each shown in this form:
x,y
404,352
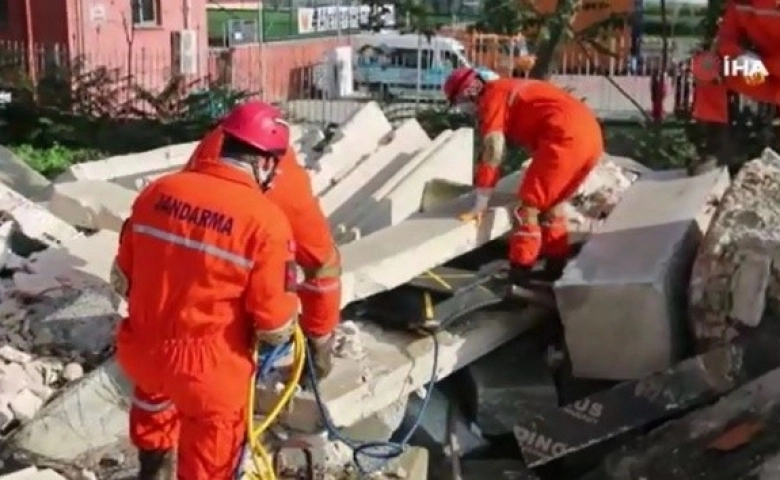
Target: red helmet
x,y
259,125
460,80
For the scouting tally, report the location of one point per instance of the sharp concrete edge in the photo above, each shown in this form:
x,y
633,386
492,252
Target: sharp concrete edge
x,y
452,161
352,217
369,175
359,137
89,415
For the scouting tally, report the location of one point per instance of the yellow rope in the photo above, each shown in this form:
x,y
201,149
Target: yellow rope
x,y
263,464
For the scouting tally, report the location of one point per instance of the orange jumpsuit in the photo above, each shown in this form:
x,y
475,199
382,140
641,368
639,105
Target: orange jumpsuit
x,y
565,140
210,261
316,252
756,22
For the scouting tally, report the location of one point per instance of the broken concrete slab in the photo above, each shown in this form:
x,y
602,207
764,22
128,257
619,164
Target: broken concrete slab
x,y
504,382
92,204
688,448
395,255
20,177
369,175
495,470
401,196
441,419
734,279
92,414
640,257
549,433
396,364
351,217
81,262
34,221
356,139
163,158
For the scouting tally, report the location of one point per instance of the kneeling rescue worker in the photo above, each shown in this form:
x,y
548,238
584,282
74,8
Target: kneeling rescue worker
x,y
564,139
207,263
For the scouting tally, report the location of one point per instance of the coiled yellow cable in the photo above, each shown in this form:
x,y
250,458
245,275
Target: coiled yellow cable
x,y
261,460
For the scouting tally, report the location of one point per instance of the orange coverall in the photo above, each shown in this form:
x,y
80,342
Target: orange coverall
x,y
756,22
210,261
565,141
316,252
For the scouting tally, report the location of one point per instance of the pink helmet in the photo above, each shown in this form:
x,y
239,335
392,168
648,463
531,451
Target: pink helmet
x,y
460,80
259,125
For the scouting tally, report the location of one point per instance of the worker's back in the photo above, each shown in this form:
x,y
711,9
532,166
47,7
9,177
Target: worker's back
x,y
195,240
532,109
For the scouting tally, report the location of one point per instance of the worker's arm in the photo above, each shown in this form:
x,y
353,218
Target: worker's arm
x,y
122,267
270,299
317,255
728,40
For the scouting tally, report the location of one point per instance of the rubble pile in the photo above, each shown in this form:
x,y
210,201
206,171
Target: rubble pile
x,y
514,382
736,278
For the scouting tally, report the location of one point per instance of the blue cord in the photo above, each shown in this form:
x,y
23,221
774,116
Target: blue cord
x,y
384,451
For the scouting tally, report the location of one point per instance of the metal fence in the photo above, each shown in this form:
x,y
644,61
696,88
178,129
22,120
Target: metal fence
x,y
309,88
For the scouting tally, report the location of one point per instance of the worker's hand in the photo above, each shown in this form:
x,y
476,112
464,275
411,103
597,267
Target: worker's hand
x,y
477,212
321,350
278,336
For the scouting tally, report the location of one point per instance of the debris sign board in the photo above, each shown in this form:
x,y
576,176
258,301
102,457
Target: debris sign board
x,y
551,432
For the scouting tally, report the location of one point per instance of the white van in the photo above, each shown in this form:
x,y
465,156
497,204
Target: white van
x,y
395,64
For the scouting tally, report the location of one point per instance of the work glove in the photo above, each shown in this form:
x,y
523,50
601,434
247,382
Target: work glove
x,y
477,212
321,351
119,281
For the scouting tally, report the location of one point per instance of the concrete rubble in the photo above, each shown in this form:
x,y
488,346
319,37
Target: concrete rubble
x,y
643,252
64,400
734,282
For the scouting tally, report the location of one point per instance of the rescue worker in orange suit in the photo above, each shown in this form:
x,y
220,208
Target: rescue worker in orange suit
x,y
749,31
564,139
207,264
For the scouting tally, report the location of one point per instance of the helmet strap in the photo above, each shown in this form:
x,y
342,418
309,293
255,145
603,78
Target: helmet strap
x,y
264,170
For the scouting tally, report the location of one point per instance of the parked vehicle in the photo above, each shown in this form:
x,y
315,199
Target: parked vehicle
x,y
395,64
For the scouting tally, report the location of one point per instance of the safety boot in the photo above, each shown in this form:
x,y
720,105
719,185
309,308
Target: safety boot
x,y
157,465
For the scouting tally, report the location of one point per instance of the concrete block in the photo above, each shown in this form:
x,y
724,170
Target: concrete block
x,y
620,299
441,419
34,221
24,474
498,386
686,448
358,138
93,204
163,158
81,262
355,391
395,255
89,415
17,175
401,196
351,217
734,280
368,176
